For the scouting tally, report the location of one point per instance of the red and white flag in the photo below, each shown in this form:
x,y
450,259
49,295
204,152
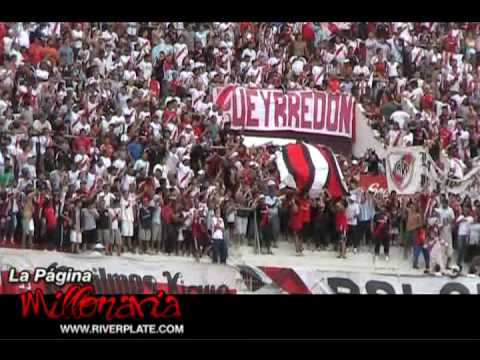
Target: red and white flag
x,y
309,168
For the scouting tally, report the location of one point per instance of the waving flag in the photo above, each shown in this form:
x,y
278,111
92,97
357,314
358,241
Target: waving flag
x,y
309,168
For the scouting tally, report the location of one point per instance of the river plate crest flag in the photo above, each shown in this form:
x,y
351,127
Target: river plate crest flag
x,y
310,168
405,167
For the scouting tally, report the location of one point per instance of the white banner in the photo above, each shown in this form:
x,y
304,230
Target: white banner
x,y
322,282
125,274
405,167
306,111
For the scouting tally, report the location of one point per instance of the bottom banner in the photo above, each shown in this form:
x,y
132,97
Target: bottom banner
x,y
233,317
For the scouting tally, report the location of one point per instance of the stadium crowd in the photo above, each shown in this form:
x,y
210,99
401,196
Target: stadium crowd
x,y
110,138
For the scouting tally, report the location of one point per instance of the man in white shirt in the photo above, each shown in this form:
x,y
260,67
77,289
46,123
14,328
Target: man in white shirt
x,y
146,66
447,217
250,52
361,68
401,118
352,213
127,203
255,73
142,164
184,173
119,123
464,223
81,124
220,247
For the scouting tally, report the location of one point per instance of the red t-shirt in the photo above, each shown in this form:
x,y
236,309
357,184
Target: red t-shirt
x,y
307,32
213,166
169,115
81,141
198,130
247,176
35,53
445,137
50,218
167,214
420,236
427,101
450,44
340,221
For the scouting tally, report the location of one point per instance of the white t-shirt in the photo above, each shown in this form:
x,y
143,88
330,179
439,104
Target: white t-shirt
x,y
118,120
79,126
357,70
352,213
202,37
83,161
126,206
147,69
217,227
129,75
446,215
77,37
141,164
156,129
464,226
250,52
401,118
256,73
23,38
119,164
392,69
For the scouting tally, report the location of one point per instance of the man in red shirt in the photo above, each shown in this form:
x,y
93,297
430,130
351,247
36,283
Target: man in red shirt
x,y
82,141
426,100
35,52
445,136
50,224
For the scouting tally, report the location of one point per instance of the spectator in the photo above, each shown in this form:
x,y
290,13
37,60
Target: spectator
x,y
220,251
341,229
464,221
352,213
380,231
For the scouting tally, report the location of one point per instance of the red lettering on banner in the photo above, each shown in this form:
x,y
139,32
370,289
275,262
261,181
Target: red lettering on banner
x,y
266,103
280,107
319,120
306,124
238,120
251,121
293,109
346,113
331,119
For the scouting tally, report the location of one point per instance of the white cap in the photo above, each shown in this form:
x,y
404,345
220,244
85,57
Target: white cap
x,y
271,183
201,172
186,157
